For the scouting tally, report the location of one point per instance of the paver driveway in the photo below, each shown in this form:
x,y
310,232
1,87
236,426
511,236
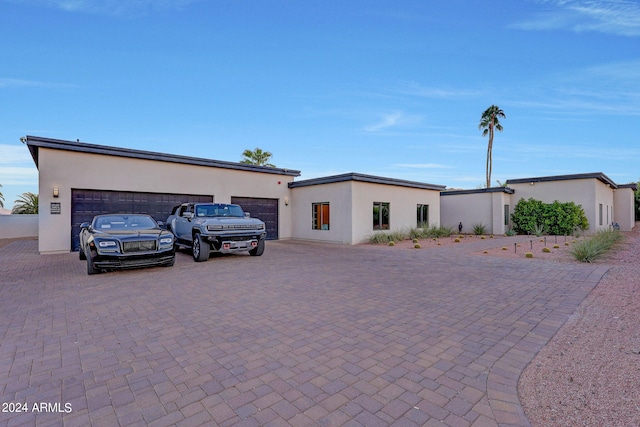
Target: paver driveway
x,y
308,334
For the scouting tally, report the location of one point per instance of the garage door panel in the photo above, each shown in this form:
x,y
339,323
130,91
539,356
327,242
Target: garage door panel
x,y
263,209
85,204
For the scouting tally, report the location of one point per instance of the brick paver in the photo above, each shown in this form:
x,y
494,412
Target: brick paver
x,y
308,334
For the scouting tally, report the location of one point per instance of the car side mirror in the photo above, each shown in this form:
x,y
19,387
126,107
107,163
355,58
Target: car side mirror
x,y
247,214
160,223
84,225
188,215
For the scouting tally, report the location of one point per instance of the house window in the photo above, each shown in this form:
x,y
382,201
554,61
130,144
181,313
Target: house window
x,y
380,216
422,217
506,214
600,213
320,216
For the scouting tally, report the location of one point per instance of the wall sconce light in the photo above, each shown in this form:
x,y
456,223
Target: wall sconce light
x,y
286,201
532,183
56,192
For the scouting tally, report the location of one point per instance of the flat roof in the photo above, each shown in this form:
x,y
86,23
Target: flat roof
x,y
593,175
35,143
478,191
353,176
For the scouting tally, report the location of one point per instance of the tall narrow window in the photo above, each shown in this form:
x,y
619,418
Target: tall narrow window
x,y
320,216
600,213
381,216
422,216
506,214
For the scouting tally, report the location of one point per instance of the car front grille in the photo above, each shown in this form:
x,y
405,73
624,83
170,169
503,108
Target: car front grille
x,y
139,246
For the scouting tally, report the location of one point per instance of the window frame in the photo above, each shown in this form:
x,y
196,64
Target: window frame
x,y
420,215
382,213
318,223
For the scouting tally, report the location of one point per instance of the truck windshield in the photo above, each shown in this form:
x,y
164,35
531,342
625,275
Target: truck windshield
x,y
217,210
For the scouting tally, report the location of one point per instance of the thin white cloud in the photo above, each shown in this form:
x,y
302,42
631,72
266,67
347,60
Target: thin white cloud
x,y
621,17
416,89
6,83
16,175
392,120
14,154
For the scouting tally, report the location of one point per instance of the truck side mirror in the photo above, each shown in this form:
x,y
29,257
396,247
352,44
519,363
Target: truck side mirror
x,y
247,215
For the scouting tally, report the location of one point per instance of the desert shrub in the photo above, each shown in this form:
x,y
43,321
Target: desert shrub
x,y
528,255
531,216
434,231
479,229
594,247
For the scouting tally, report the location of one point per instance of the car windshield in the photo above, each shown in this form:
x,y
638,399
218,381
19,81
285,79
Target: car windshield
x,y
124,222
217,210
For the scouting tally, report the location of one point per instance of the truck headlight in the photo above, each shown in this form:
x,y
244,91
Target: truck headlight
x,y
214,227
166,240
107,244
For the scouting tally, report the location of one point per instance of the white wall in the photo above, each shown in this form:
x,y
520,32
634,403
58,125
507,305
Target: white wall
x,y
338,195
66,170
623,208
475,208
17,226
589,193
403,202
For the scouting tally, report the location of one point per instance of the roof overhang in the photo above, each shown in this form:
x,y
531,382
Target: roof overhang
x,y
352,176
594,175
34,143
506,190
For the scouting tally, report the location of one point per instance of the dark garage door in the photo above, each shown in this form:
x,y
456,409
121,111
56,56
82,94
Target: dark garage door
x,y
85,204
264,209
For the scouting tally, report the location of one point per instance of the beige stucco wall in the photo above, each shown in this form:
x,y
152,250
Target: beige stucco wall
x,y
623,208
351,209
589,193
402,203
338,195
475,208
72,170
16,226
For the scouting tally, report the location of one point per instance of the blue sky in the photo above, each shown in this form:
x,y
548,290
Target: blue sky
x,y
393,88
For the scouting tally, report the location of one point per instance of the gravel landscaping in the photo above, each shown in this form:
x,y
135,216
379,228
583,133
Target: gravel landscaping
x,y
588,374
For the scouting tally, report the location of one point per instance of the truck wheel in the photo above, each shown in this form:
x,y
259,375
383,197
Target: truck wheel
x,y
258,250
200,248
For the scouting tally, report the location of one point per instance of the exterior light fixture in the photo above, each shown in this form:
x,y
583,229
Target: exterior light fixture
x,y
56,192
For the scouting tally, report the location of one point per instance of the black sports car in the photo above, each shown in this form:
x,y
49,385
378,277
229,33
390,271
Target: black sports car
x,y
117,241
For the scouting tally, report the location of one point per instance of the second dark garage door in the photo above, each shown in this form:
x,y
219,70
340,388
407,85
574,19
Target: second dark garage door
x,y
85,204
263,209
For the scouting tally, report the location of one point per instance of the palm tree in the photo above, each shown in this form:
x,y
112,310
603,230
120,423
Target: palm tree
x,y
489,122
257,157
26,204
1,198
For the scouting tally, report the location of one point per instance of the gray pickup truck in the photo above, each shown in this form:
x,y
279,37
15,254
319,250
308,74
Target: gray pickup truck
x,y
216,227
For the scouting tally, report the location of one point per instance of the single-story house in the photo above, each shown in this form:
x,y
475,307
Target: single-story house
x,y
604,202
79,180
348,208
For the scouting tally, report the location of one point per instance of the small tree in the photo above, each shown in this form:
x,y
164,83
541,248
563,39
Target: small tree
x,y
257,157
27,203
531,216
1,198
637,194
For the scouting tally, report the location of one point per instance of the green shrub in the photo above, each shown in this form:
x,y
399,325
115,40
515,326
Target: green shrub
x,y
555,218
528,255
378,238
479,229
417,246
590,249
392,243
546,250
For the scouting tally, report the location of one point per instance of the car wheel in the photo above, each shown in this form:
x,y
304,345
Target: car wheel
x,y
258,250
200,248
90,268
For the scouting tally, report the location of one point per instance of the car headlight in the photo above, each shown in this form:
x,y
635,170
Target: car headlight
x,y
166,240
107,244
260,227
